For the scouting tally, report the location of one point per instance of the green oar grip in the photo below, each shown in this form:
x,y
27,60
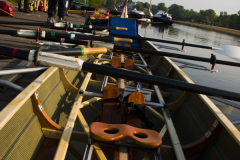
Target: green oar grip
x,y
121,28
125,40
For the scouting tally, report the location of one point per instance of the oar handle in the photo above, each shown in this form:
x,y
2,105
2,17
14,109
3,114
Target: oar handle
x,y
121,28
101,50
122,40
77,51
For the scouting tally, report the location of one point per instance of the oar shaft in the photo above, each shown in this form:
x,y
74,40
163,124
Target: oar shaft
x,y
155,80
168,54
47,34
64,40
14,52
9,32
27,23
160,40
86,37
62,25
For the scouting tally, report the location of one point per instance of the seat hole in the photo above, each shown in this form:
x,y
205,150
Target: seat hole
x,y
140,135
111,130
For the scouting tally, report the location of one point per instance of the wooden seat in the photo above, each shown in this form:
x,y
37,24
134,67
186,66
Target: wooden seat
x,y
112,132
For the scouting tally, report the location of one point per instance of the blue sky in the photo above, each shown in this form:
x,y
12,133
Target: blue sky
x,y
230,6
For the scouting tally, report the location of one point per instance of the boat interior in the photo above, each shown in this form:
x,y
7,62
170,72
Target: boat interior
x,y
54,117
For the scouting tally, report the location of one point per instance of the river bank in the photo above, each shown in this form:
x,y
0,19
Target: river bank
x,y
215,28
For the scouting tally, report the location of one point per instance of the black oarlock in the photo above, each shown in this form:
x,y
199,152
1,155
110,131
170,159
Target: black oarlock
x,y
66,26
38,34
213,60
183,43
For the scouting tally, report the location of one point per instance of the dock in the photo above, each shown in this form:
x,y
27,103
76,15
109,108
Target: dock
x,y
7,94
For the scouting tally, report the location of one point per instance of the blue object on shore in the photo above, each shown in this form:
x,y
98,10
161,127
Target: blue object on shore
x,y
74,7
132,26
84,4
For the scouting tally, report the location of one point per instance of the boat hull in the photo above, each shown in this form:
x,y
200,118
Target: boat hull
x,y
134,15
163,20
192,115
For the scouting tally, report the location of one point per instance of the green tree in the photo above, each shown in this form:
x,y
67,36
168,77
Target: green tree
x,y
96,3
210,14
161,6
139,6
177,11
146,5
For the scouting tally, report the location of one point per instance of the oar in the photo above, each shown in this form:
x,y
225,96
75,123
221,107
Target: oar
x,y
160,53
63,25
42,34
76,51
77,64
7,12
227,50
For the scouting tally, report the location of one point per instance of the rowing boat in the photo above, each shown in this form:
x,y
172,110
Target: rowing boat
x,y
40,123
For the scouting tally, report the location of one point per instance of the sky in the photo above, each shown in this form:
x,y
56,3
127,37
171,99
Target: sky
x,y
230,6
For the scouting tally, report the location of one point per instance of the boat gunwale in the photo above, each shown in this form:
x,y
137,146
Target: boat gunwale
x,y
231,129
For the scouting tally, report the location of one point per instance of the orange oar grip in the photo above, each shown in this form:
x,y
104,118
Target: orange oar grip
x,y
121,28
123,40
101,50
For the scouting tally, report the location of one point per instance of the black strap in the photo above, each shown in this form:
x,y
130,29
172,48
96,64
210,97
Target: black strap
x,y
119,100
140,113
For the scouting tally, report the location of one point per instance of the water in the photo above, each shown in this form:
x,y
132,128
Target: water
x,y
227,78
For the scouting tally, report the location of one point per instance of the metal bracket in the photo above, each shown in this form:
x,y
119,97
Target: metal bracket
x,y
81,92
208,134
146,94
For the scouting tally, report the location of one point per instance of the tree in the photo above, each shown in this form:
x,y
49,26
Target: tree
x,y
210,14
139,6
177,11
161,6
96,3
146,5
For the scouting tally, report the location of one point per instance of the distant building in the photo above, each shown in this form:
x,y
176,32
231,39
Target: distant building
x,y
154,9
130,6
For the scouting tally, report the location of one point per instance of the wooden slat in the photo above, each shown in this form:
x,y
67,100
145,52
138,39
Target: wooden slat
x,y
173,134
56,134
64,141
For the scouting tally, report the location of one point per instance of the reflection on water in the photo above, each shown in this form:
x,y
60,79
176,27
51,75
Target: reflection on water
x,y
227,77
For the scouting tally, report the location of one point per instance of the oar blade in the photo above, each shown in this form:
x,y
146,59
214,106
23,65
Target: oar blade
x,y
228,50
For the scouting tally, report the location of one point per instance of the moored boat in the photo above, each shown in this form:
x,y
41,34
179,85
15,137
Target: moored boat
x,y
163,17
138,15
40,119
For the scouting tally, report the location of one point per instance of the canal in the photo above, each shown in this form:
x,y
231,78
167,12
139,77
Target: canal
x,y
227,77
